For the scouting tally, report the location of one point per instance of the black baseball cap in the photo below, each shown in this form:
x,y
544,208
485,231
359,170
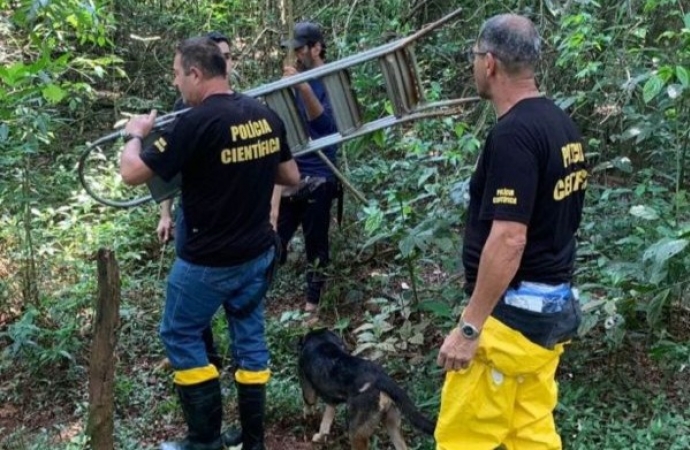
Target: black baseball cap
x,y
306,33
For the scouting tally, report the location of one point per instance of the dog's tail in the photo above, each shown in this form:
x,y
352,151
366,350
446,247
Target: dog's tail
x,y
403,402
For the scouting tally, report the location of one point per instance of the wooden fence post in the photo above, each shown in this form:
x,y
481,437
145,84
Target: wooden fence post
x,y
102,363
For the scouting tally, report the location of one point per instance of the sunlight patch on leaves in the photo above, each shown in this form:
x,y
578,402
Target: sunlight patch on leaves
x,y
644,212
664,250
53,93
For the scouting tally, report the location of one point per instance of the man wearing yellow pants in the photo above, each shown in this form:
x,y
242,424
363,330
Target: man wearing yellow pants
x,y
526,197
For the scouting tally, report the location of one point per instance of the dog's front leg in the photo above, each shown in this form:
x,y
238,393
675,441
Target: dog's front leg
x,y
326,422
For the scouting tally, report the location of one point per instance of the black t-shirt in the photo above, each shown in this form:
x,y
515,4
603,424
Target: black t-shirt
x,y
228,149
532,170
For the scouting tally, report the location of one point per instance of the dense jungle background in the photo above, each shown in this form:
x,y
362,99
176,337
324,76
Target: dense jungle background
x,y
72,68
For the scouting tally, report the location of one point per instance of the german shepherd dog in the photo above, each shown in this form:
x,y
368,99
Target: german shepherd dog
x,y
328,371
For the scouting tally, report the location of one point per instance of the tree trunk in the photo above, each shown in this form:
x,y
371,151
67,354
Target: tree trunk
x,y
102,363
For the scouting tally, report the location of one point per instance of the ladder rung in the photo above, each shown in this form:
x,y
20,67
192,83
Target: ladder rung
x,y
402,81
346,109
283,103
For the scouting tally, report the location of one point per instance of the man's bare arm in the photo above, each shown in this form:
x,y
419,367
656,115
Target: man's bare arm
x,y
498,265
132,168
165,223
288,173
275,205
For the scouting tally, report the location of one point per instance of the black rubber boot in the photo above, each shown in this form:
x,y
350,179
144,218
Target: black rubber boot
x,y
203,411
251,403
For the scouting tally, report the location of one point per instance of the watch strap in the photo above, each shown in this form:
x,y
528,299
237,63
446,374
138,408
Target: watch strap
x,y
129,137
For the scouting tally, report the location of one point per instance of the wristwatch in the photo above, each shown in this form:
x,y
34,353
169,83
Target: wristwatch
x,y
128,137
468,331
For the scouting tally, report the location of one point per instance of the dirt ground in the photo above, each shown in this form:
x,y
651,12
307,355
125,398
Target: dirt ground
x,y
49,404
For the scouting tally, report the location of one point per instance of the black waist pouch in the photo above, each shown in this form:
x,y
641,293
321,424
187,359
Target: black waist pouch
x,y
304,189
544,329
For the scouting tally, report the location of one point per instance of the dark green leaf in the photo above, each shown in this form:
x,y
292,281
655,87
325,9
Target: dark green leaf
x,y
439,309
683,75
655,308
652,87
407,246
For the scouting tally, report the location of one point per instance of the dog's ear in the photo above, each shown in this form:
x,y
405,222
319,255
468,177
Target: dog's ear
x,y
335,338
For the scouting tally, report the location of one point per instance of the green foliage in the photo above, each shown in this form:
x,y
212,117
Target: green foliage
x,y
379,335
57,23
589,421
621,68
629,88
31,91
415,211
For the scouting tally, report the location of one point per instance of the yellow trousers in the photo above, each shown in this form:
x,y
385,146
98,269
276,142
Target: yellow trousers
x,y
505,397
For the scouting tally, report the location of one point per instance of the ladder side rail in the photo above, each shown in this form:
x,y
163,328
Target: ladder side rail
x,y
435,109
351,60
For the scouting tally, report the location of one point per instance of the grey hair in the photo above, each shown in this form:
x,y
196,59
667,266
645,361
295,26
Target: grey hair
x,y
513,39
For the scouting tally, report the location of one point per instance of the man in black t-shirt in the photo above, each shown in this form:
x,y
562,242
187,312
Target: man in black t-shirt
x,y
526,197
166,224
230,150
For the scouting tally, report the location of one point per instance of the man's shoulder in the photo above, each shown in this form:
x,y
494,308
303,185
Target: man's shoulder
x,y
531,114
243,108
319,89
542,108
233,100
527,107
179,104
256,105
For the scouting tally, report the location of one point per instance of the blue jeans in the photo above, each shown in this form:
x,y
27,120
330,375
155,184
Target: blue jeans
x,y
195,293
180,238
